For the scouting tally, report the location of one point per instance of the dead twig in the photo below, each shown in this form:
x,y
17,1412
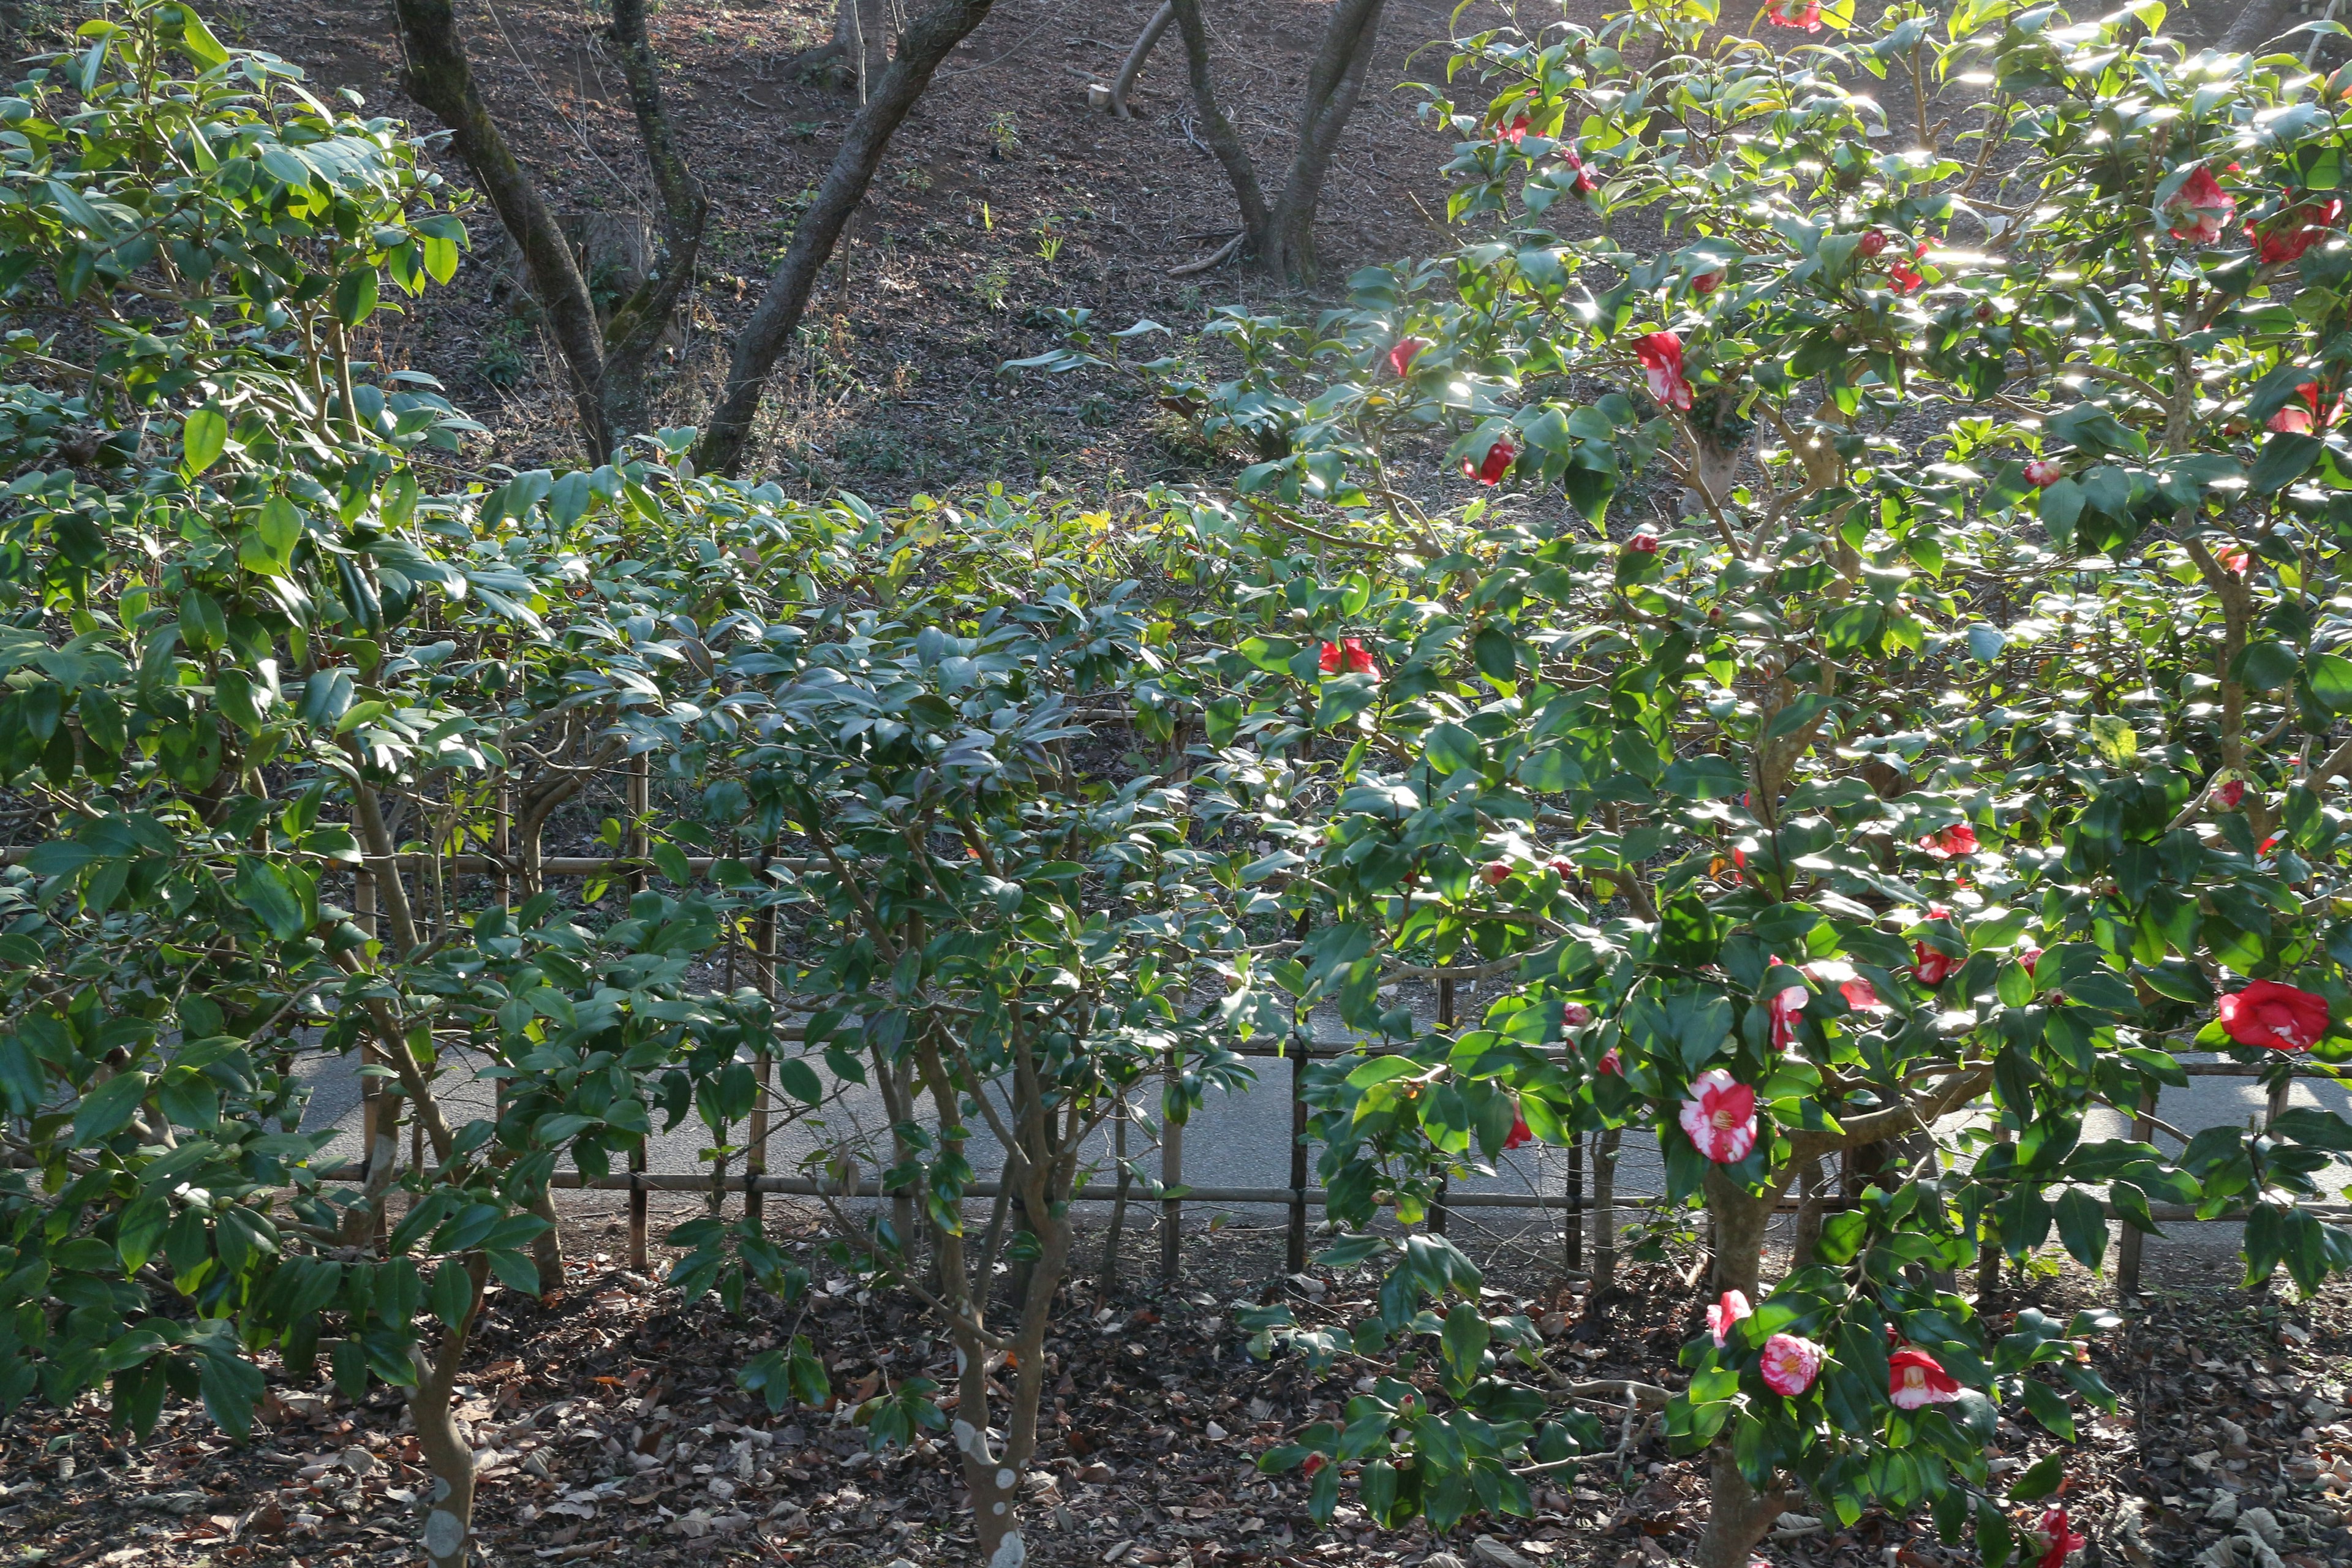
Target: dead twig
x,y
1211,259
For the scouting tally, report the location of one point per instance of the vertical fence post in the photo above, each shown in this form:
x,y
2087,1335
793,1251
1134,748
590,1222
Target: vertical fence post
x,y
1109,1280
640,804
1437,1219
763,974
1572,1255
1604,1212
379,1129
1296,1257
502,845
2128,1249
1989,1259
1171,1174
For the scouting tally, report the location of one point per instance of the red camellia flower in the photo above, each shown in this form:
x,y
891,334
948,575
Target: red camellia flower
x,y
1915,1379
1566,867
2310,416
1790,1363
1785,1004
2057,1541
1661,354
1705,283
1314,1462
1720,1117
1907,277
1959,839
2200,209
2279,1017
1860,995
1515,132
1725,1313
1932,965
1575,1014
1407,349
2231,794
1611,1063
2232,559
1520,1137
1871,244
1499,461
1497,873
1804,14
2027,957
2044,472
1585,183
1643,544
2294,231
1348,656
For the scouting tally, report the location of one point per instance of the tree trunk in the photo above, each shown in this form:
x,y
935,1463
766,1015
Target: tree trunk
x,y
639,320
1807,1248
764,338
1737,1515
2256,25
439,78
1135,57
1281,236
1332,90
859,45
449,1524
1216,130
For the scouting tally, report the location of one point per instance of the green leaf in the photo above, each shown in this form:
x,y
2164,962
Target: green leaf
x,y
2040,1480
2083,1226
1451,748
451,1294
2266,666
2331,682
2113,739
201,440
279,526
1497,654
2284,459
2047,1406
108,1109
355,296
670,860
262,888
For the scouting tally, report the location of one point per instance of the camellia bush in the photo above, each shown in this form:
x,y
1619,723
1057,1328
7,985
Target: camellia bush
x,y
1874,696
1881,700
289,715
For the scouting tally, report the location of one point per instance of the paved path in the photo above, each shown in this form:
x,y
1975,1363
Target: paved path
x,y
1241,1138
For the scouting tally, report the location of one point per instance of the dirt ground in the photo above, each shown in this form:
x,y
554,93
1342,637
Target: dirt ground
x,y
894,387
608,1422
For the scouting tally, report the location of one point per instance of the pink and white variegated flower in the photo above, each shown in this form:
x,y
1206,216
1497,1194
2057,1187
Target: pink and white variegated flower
x,y
1790,1363
1720,1117
1725,1313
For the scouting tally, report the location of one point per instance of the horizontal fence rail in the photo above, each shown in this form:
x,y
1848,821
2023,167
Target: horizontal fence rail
x,y
636,867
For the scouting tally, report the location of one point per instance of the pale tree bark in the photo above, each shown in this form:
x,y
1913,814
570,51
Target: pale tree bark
x,y
440,78
605,362
1280,235
2257,26
1738,1511
1042,1142
859,44
762,340
1135,57
449,1515
639,322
